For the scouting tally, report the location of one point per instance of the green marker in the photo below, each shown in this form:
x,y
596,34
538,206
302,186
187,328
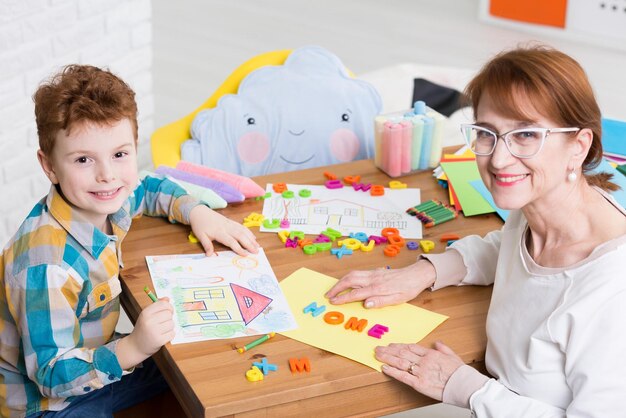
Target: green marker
x,y
150,294
436,212
426,206
256,342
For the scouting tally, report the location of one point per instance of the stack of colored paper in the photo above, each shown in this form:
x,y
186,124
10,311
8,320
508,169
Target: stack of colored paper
x,y
614,140
466,190
618,178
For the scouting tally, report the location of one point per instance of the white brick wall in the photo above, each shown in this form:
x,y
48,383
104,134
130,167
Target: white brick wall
x,y
37,38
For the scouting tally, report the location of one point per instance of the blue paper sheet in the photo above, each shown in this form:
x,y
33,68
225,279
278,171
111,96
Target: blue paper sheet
x,y
618,178
614,136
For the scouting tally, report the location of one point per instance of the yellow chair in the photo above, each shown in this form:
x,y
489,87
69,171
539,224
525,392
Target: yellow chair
x,y
167,140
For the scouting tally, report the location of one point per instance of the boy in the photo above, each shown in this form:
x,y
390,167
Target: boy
x,y
59,355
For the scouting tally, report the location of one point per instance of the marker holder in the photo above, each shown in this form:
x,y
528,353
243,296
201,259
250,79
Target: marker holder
x,y
408,141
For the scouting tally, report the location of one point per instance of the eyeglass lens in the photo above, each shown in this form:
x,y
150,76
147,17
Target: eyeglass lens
x,y
520,143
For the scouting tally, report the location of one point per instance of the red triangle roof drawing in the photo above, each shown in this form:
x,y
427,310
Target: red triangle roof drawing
x,y
250,303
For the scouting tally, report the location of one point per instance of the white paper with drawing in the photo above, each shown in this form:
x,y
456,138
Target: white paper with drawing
x,y
346,210
222,296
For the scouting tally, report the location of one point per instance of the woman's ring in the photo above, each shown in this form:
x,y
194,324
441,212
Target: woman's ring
x,y
410,369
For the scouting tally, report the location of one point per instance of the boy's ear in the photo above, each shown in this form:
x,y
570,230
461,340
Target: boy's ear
x,y
46,165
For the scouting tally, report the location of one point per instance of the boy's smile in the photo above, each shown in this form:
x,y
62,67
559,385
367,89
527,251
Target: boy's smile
x,y
95,167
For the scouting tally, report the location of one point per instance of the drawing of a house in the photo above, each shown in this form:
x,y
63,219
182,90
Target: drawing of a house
x,y
339,213
231,303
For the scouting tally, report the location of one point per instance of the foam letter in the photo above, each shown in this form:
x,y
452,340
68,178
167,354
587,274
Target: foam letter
x,y
300,365
315,311
356,324
377,331
333,318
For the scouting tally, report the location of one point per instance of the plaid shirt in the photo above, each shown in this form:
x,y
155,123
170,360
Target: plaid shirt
x,y
59,301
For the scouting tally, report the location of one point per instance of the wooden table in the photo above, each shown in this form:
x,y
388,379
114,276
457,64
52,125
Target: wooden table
x,y
208,378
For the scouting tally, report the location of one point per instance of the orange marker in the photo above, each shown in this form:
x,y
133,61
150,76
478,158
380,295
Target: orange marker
x,y
449,237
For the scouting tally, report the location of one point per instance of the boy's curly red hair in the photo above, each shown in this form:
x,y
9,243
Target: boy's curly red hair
x,y
80,94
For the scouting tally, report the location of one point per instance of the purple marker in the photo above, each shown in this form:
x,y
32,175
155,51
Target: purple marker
x,y
227,192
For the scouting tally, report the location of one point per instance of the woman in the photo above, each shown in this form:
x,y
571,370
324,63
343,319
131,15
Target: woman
x,y
556,340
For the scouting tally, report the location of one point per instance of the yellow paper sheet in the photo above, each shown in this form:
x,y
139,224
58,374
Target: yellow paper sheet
x,y
466,153
406,323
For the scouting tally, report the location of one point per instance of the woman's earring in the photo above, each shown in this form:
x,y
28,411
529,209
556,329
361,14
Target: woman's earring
x,y
571,177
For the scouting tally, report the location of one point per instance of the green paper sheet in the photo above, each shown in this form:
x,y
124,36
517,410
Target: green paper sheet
x,y
460,174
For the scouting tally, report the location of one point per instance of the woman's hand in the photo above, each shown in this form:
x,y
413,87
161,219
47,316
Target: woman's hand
x,y
208,225
382,287
425,370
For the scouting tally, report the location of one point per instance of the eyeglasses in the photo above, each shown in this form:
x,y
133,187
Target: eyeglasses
x,y
522,143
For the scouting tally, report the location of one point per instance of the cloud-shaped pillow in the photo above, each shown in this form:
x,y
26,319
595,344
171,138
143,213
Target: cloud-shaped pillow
x,y
305,113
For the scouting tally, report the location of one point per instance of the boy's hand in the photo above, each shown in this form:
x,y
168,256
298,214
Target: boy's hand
x,y
154,329
155,326
208,225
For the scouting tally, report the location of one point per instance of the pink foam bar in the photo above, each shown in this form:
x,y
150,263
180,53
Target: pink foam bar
x,y
226,191
244,184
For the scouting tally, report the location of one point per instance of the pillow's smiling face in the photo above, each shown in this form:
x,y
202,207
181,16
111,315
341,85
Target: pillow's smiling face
x,y
305,113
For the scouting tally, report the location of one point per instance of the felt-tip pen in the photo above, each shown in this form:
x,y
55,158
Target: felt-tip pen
x,y
150,294
256,342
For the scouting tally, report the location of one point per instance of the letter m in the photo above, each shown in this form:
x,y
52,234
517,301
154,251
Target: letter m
x,y
356,324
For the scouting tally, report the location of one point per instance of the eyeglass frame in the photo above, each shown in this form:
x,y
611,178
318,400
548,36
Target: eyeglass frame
x,y
546,132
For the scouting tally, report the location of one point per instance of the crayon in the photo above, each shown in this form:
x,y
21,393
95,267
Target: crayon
x,y
226,191
449,237
419,109
407,143
441,220
416,146
256,342
436,144
150,294
437,211
427,137
392,144
245,185
379,128
427,205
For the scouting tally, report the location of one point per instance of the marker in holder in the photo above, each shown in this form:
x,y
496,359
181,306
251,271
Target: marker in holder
x,y
408,141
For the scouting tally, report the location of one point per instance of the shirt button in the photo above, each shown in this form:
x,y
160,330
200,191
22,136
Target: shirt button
x,y
86,388
111,377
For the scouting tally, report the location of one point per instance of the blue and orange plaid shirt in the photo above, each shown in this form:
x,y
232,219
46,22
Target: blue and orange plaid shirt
x,y
59,301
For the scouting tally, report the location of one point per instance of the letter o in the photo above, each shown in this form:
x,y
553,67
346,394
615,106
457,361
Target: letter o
x,y
333,318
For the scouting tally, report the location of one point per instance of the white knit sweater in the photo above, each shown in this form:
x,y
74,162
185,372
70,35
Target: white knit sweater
x,y
556,336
